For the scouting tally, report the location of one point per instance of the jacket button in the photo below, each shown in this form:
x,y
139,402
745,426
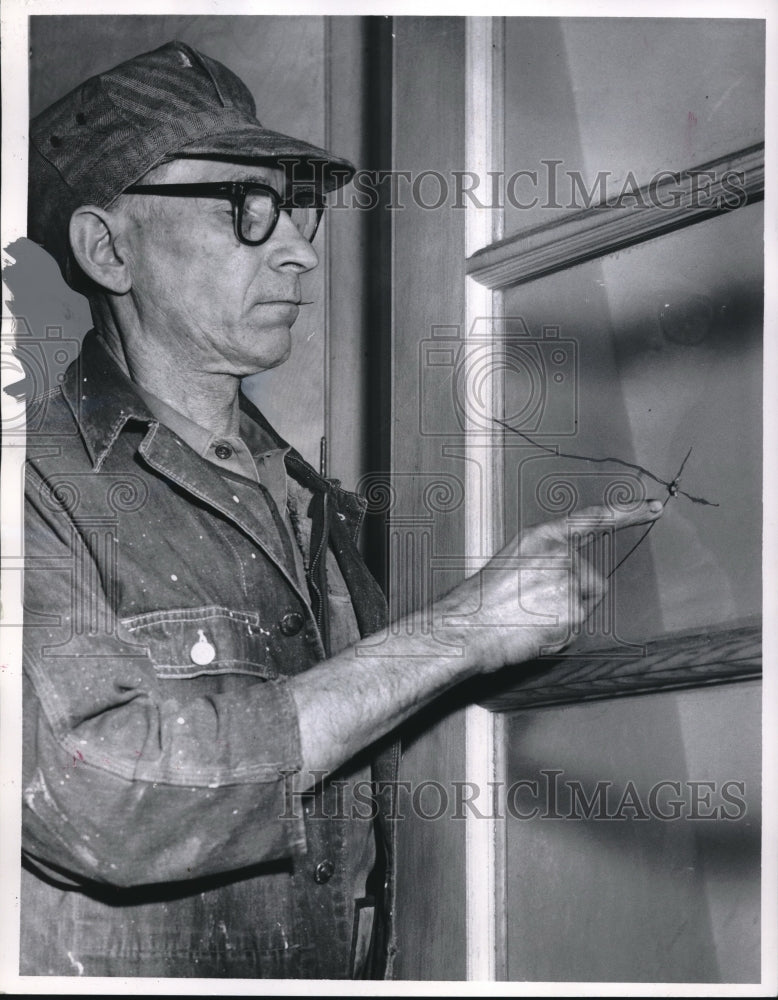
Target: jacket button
x,y
323,872
223,451
202,653
292,623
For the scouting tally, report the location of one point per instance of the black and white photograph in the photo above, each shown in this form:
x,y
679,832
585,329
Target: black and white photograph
x,y
387,532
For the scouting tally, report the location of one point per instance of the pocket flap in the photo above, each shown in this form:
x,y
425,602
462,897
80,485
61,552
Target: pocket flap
x,y
189,642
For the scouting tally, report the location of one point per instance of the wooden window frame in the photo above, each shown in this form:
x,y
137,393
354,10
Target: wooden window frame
x,y
495,263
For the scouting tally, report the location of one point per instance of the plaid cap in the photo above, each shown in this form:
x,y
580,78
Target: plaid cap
x,y
108,132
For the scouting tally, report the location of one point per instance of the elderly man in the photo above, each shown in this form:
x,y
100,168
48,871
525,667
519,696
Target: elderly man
x,y
195,660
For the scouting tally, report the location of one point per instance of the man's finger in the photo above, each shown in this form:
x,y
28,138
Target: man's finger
x,y
597,518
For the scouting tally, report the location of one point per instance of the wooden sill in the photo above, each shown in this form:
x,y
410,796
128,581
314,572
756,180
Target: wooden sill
x,y
671,662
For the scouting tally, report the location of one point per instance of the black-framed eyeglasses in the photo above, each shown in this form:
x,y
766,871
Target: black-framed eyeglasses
x,y
255,207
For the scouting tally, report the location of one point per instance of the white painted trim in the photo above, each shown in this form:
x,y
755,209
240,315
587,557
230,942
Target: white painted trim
x,y
483,483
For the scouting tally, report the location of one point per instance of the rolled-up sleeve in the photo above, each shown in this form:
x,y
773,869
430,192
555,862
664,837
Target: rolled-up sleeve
x,y
124,783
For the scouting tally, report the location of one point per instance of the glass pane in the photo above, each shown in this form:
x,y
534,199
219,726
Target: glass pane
x,y
595,100
641,356
633,840
614,871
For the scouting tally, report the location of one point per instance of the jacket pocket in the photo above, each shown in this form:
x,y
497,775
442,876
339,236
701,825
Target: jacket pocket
x,y
192,642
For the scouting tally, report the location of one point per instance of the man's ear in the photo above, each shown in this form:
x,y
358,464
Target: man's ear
x,y
94,235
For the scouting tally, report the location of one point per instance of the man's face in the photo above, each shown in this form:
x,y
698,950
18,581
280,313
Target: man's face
x,y
203,297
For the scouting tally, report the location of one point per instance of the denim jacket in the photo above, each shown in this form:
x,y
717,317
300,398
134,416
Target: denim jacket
x,y
163,617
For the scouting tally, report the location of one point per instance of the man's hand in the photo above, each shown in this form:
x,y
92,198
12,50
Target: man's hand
x,y
527,598
534,593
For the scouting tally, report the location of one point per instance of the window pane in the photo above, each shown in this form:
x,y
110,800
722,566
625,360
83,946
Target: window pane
x,y
608,96
667,341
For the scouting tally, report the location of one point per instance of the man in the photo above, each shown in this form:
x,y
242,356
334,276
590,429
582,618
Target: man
x,y
195,602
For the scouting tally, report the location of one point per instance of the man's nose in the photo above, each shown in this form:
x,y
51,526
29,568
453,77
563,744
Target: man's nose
x,y
288,246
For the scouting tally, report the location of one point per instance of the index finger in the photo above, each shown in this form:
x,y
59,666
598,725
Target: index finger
x,y
613,517
598,518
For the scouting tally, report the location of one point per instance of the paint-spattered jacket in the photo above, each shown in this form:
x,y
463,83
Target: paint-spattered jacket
x,y
164,614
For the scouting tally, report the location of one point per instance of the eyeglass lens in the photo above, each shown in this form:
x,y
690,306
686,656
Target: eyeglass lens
x,y
259,216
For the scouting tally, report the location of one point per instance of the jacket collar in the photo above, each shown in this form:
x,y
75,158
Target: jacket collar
x,y
103,399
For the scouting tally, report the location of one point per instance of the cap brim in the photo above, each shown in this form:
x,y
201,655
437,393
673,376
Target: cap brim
x,y
306,163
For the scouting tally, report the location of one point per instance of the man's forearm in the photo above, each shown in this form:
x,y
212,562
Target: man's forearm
x,y
531,596
365,691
